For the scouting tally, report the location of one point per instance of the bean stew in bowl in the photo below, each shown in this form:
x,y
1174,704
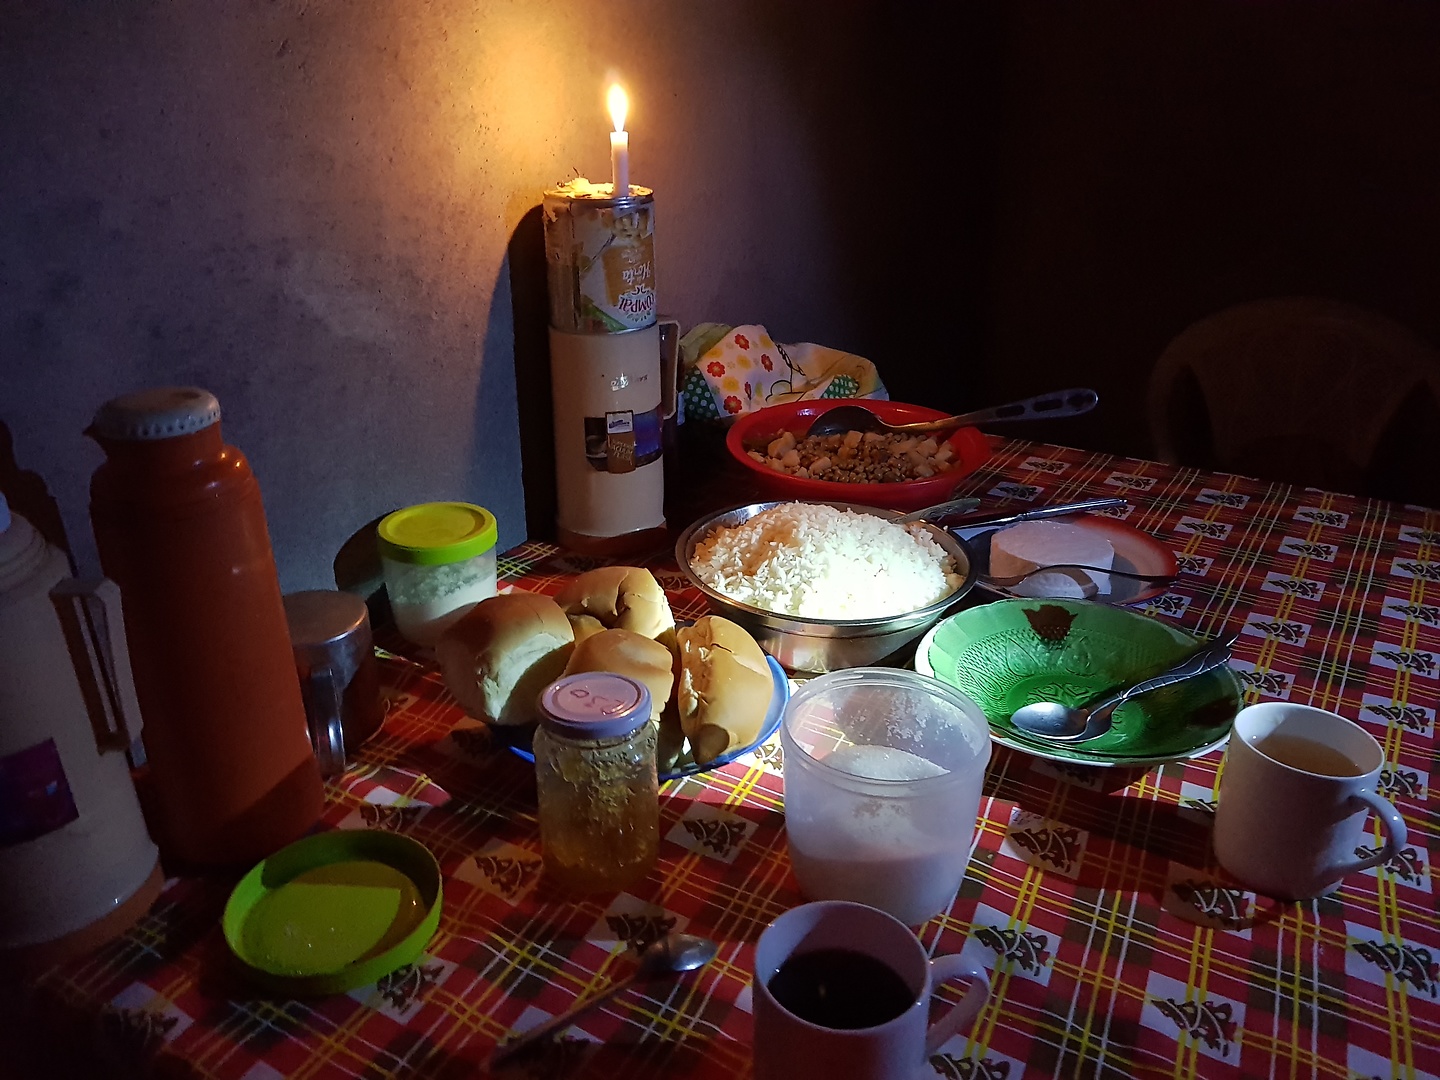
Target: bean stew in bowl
x,y
894,472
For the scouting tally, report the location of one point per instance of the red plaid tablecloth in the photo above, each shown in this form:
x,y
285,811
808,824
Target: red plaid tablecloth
x,y
1116,947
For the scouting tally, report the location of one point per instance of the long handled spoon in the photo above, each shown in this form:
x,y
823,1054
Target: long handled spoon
x,y
669,955
1077,723
843,418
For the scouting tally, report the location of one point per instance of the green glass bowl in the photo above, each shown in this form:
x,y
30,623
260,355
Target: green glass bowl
x,y
1014,652
334,911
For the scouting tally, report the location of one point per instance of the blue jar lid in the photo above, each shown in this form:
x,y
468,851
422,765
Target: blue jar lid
x,y
594,705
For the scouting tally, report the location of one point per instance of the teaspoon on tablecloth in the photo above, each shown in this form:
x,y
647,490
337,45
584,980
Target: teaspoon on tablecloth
x,y
671,954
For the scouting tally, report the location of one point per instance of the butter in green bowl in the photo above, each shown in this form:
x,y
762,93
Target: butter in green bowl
x,y
334,911
1014,652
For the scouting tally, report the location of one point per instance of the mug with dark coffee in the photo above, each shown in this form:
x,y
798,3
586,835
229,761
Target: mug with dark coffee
x,y
842,991
1297,786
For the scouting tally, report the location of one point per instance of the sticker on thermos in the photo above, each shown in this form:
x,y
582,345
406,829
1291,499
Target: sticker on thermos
x,y
35,796
622,441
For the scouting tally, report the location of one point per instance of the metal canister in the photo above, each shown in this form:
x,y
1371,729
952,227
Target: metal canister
x,y
339,675
600,258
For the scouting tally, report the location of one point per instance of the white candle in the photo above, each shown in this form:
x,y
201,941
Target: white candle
x,y
619,142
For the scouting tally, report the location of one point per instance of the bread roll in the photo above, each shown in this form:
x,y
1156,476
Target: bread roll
x,y
585,626
499,656
724,688
621,597
628,653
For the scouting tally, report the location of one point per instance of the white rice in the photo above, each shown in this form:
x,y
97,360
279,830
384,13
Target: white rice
x,y
819,562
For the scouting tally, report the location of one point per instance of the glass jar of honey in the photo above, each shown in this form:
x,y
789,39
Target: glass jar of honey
x,y
599,796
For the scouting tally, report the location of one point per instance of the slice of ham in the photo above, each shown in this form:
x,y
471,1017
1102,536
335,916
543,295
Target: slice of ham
x,y
1030,544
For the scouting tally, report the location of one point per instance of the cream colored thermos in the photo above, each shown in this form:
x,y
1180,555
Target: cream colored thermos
x,y
610,400
77,863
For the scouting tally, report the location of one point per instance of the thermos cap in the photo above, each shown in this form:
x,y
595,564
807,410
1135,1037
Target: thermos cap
x,y
158,413
433,534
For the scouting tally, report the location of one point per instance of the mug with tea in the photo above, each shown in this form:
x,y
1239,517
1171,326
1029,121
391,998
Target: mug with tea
x,y
842,991
1297,787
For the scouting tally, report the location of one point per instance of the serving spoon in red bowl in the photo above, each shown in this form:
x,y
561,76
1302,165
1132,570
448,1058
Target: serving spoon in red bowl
x,y
844,418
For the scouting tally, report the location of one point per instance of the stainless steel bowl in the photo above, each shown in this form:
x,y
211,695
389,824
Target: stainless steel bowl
x,y
814,645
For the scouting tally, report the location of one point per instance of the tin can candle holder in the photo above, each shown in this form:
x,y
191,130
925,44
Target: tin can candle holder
x,y
600,258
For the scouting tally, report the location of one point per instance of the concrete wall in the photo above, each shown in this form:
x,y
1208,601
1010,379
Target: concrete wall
x,y
307,207
323,211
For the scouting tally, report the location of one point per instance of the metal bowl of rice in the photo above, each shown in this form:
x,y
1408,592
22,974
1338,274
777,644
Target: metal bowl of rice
x,y
817,643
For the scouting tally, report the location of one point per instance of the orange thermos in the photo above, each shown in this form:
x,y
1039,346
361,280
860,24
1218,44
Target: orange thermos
x,y
180,528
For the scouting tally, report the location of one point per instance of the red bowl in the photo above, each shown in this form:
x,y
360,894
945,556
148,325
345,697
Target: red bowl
x,y
759,427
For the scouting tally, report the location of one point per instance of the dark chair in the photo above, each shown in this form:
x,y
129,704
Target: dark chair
x,y
1304,390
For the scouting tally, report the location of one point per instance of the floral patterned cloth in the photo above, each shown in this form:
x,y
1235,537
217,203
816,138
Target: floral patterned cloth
x,y
732,370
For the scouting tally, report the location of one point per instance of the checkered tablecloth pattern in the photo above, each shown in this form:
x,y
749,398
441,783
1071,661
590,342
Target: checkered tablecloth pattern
x,y
1116,947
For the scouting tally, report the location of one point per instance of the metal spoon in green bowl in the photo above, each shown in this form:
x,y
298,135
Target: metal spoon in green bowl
x,y
1091,719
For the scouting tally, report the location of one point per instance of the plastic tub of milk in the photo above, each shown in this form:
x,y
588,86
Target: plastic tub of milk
x,y
439,562
883,770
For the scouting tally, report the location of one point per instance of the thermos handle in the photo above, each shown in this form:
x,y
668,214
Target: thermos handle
x,y
669,366
325,705
91,617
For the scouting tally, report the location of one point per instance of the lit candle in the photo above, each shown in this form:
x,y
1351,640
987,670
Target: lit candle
x,y
619,142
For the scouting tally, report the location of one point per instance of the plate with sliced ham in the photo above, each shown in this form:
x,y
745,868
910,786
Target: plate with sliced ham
x,y
1085,539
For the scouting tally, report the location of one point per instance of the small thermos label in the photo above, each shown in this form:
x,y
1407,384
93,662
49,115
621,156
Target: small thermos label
x,y
621,442
35,797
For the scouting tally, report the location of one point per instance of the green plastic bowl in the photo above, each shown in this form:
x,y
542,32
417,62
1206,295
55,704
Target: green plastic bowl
x,y
1014,652
334,911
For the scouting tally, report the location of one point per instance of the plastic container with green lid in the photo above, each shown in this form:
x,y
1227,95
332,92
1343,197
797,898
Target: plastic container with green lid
x,y
439,562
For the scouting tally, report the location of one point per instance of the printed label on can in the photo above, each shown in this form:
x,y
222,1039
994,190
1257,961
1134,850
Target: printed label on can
x,y
35,797
600,259
630,281
622,441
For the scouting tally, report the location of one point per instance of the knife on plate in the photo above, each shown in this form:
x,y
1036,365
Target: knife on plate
x,y
971,526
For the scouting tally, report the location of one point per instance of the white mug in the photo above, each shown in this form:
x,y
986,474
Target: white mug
x,y
788,1046
1297,786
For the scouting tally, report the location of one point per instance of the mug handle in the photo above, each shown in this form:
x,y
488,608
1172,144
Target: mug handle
x,y
326,706
1391,824
964,1012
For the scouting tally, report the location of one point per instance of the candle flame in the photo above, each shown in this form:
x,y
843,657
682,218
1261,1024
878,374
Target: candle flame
x,y
618,103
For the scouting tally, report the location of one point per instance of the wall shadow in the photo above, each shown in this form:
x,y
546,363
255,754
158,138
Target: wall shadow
x,y
530,312
1029,197
906,116
28,495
